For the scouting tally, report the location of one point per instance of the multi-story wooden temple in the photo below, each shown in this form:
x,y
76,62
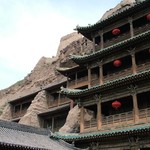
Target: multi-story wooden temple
x,y
113,82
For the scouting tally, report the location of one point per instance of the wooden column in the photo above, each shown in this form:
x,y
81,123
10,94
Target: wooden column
x,y
89,77
131,27
82,119
93,43
59,99
100,74
52,124
133,63
135,107
67,81
71,104
76,78
102,39
99,115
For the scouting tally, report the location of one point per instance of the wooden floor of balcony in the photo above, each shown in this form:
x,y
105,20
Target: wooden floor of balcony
x,y
118,120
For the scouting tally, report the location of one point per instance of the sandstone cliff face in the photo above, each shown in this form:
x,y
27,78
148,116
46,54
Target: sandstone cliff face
x,y
123,4
44,73
38,105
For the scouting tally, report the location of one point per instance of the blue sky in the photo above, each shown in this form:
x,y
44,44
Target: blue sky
x,y
30,29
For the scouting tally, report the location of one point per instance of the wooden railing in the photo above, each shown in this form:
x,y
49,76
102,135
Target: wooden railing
x,y
18,114
144,115
144,66
117,119
118,74
90,124
58,102
117,39
78,81
95,80
141,29
112,120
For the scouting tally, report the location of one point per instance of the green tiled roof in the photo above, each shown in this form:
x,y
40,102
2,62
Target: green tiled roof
x,y
115,16
101,53
102,134
107,85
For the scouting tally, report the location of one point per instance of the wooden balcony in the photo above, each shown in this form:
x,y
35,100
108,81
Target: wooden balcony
x,y
58,102
94,80
143,67
122,119
78,83
144,115
18,114
139,30
90,125
117,39
118,119
118,74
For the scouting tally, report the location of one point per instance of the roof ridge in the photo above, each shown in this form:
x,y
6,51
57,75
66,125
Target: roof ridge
x,y
117,45
22,127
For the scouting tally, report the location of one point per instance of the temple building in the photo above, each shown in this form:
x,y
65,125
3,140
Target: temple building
x,y
113,82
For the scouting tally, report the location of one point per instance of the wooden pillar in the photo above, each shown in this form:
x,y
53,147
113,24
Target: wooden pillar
x,y
67,81
135,108
71,104
89,77
52,128
76,78
99,115
20,112
133,63
82,119
102,39
100,74
131,27
58,98
93,43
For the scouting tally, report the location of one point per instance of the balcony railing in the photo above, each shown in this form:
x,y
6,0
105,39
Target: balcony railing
x,y
118,119
144,115
58,102
117,39
144,66
80,81
90,124
119,74
112,120
141,29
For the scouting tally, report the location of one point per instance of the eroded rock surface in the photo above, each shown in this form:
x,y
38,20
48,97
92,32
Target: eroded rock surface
x,y
38,105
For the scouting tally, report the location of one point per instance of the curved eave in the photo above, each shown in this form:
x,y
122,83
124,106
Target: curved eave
x,y
101,53
101,135
121,13
109,85
66,70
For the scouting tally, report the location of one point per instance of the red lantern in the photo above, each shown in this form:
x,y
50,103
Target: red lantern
x,y
116,104
117,63
148,17
116,31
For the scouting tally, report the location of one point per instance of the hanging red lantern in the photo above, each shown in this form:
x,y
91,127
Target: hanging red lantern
x,y
148,17
116,104
117,63
116,31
